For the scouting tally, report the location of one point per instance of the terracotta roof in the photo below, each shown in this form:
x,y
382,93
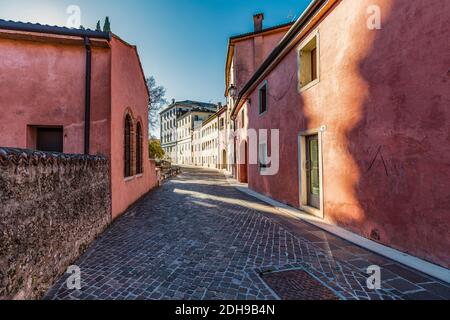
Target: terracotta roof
x,y
57,30
43,28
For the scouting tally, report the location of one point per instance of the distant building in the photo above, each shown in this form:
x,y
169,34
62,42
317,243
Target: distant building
x,y
186,126
223,135
210,140
169,123
197,144
202,141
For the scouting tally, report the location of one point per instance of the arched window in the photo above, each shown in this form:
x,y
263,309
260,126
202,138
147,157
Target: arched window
x,y
139,141
128,146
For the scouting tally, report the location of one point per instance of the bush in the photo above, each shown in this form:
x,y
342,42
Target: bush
x,y
155,150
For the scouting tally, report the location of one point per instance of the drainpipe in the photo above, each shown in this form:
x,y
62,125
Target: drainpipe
x,y
87,111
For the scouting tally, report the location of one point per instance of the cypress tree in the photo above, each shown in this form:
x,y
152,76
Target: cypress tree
x,y
107,25
99,28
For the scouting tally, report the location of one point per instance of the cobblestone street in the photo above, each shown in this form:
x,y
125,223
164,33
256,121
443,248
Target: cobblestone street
x,y
197,237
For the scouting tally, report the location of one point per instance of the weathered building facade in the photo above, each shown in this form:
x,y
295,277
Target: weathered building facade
x,y
246,53
361,113
62,90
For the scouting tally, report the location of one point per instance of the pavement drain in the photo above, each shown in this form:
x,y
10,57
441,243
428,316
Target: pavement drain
x,y
297,285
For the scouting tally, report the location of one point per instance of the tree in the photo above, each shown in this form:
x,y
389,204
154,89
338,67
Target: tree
x,y
107,25
154,149
98,28
156,102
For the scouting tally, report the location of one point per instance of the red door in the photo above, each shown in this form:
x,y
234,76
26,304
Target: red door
x,y
243,167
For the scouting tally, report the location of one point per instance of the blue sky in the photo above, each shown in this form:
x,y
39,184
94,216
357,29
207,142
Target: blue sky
x,y
181,42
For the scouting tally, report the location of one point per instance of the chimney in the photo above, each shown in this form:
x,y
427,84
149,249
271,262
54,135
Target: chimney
x,y
173,101
258,21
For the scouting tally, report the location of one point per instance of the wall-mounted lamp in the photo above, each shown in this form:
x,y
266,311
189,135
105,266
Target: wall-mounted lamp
x,y
233,91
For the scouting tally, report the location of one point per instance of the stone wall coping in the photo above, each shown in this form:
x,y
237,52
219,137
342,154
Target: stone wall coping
x,y
31,157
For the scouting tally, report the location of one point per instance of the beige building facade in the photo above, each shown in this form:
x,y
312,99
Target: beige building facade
x,y
186,125
172,135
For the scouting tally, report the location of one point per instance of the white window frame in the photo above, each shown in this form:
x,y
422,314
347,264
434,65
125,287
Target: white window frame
x,y
303,44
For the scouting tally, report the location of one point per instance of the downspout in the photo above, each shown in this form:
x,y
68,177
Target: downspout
x,y
87,110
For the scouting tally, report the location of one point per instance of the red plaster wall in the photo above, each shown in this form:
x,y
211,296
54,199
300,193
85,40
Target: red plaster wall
x,y
128,93
250,53
384,96
42,84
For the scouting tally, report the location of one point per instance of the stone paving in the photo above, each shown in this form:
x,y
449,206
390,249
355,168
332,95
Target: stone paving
x,y
197,237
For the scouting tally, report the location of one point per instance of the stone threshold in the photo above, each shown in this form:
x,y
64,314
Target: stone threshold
x,y
415,263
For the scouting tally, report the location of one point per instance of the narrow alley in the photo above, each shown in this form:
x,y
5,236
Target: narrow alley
x,y
197,237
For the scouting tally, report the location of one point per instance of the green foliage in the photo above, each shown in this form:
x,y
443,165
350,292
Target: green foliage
x,y
156,102
98,28
107,25
155,150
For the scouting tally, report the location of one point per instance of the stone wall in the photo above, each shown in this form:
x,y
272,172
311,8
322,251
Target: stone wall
x,y
52,206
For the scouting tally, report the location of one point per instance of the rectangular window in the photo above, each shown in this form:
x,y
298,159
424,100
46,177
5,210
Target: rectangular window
x,y
50,139
308,63
243,118
263,98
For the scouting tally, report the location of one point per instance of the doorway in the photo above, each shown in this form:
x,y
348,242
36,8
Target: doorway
x,y
311,172
224,160
243,165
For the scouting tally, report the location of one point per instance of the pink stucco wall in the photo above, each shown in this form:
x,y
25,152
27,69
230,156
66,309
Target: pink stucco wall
x,y
384,97
42,83
129,94
250,53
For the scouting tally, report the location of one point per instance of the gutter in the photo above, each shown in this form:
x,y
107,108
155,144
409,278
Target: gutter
x,y
86,35
87,109
310,11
